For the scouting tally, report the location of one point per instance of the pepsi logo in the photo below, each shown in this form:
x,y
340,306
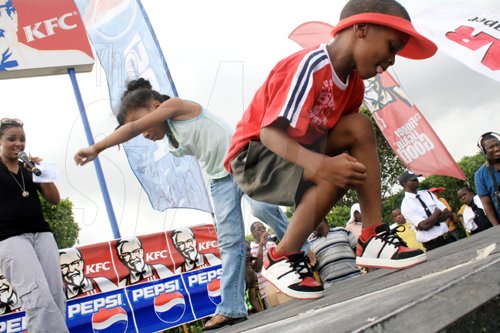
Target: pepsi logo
x,y
213,290
170,307
112,320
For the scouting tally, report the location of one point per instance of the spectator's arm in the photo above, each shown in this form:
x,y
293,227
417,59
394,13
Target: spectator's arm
x,y
454,218
254,300
445,215
430,221
489,209
257,264
313,259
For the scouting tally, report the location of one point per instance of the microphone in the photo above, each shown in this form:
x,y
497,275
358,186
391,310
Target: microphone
x,y
23,157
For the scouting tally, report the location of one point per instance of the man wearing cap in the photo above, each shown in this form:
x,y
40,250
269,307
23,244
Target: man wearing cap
x,y
425,212
452,221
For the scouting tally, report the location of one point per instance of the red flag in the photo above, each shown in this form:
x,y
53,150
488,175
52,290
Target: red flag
x,y
404,127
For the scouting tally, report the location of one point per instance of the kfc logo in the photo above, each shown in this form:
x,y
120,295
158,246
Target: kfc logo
x,y
48,27
151,256
207,245
96,268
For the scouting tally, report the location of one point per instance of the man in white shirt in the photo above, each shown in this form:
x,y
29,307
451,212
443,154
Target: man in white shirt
x,y
425,212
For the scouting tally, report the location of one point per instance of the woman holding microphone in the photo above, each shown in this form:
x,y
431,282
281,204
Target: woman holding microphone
x,y
29,256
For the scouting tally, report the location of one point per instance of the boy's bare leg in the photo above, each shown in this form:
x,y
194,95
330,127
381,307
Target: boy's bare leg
x,y
314,205
354,134
362,145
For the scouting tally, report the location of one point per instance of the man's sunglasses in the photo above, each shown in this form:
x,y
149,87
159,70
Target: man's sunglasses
x,y
11,121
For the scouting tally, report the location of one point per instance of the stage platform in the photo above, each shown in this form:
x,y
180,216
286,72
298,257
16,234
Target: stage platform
x,y
456,290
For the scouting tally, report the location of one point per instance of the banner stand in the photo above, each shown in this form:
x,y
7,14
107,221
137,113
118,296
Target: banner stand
x,y
97,163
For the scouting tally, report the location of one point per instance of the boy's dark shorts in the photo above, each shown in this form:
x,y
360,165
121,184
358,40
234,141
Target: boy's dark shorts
x,y
264,176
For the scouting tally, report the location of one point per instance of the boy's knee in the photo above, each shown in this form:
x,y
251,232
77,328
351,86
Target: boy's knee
x,y
359,128
360,121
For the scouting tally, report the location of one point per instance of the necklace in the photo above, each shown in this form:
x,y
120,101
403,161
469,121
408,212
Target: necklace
x,y
25,193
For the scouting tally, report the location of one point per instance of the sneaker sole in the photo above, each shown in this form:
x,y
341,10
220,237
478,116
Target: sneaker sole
x,y
390,263
289,292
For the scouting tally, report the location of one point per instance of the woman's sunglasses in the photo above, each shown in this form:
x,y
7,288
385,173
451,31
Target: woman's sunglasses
x,y
11,121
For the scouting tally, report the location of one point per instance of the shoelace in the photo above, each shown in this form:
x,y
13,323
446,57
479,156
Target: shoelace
x,y
300,265
392,237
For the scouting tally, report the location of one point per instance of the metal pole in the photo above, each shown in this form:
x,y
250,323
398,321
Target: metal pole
x,y
97,163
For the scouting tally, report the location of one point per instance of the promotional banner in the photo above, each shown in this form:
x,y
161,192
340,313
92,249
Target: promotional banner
x,y
127,49
42,38
470,35
406,130
145,283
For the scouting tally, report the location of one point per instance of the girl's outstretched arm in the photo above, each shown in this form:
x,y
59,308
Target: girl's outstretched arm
x,y
174,108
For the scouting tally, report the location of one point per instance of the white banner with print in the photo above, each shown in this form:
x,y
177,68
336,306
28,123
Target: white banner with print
x,y
470,35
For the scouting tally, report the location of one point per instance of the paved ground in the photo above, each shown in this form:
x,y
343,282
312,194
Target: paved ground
x,y
448,293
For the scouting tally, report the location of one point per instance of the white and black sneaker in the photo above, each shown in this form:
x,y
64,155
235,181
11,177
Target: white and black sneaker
x,y
291,275
386,250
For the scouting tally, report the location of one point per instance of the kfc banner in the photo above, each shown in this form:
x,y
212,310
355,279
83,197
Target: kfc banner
x,y
42,38
127,49
139,284
470,35
404,127
406,130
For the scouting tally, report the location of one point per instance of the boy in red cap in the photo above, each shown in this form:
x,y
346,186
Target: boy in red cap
x,y
302,141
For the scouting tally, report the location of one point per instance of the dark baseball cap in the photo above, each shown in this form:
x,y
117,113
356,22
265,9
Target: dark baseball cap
x,y
406,176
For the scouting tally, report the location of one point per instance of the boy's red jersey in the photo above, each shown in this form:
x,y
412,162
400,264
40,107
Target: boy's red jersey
x,y
304,89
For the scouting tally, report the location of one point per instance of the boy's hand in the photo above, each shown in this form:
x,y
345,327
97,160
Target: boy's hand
x,y
343,171
263,238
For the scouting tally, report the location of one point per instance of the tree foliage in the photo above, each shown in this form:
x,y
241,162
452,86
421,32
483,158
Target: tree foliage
x,y
62,222
390,165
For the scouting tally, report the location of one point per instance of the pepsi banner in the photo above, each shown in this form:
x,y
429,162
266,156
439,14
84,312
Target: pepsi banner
x,y
145,283
126,46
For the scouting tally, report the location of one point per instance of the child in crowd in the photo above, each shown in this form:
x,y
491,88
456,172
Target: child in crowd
x,y
355,222
405,230
475,219
193,130
303,142
335,250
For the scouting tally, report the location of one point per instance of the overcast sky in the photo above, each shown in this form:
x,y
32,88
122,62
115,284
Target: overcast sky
x,y
219,53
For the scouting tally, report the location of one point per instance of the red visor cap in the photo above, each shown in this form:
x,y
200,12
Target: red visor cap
x,y
418,46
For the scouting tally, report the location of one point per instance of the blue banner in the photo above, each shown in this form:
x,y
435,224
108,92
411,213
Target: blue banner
x,y
127,49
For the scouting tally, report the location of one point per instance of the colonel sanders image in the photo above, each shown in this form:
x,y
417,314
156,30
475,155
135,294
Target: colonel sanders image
x,y
381,91
131,254
76,284
185,243
9,302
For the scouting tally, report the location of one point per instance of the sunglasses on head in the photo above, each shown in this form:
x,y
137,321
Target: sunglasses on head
x,y
11,121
